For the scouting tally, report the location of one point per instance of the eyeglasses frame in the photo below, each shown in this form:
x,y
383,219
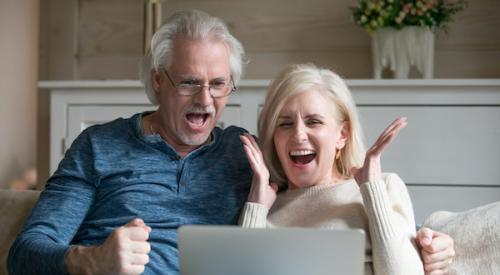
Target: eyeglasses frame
x,y
176,86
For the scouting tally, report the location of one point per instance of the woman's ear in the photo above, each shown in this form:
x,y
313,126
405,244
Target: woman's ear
x,y
155,80
344,134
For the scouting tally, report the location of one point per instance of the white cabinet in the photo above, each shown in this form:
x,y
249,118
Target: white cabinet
x,y
448,154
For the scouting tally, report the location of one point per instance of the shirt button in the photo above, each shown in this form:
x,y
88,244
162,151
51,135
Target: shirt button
x,y
178,157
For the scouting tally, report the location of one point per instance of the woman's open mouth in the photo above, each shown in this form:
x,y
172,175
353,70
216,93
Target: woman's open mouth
x,y
302,157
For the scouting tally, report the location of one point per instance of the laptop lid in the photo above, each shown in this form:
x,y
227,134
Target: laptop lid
x,y
230,250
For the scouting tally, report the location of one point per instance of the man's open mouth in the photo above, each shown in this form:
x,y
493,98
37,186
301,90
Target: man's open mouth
x,y
197,119
302,156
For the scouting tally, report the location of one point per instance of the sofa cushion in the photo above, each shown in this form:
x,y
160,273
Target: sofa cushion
x,y
15,206
476,234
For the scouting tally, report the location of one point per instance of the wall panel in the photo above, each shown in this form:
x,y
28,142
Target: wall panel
x,y
91,39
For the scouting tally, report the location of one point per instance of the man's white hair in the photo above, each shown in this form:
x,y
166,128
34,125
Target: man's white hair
x,y
193,24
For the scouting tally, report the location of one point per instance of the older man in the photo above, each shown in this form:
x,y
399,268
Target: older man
x,y
123,188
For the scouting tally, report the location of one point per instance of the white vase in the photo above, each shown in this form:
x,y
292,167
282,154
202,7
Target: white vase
x,y
401,49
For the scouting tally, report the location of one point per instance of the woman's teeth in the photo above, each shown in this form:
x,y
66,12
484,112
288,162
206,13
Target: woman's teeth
x,y
302,156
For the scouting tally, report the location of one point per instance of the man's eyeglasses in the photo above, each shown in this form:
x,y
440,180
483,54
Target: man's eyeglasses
x,y
217,89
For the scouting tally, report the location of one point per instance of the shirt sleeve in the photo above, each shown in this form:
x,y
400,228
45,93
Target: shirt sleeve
x,y
46,236
253,215
392,226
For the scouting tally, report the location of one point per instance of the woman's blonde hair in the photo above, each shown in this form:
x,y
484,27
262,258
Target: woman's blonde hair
x,y
298,79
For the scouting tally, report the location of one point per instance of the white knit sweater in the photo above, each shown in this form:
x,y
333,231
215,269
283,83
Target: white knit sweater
x,y
382,209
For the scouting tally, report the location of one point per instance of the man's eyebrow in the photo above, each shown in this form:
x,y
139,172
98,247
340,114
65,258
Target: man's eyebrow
x,y
194,78
220,78
188,77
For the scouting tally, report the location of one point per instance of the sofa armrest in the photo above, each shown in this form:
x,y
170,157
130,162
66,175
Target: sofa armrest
x,y
15,206
476,235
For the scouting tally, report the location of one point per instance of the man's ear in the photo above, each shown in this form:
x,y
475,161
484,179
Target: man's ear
x,y
155,80
344,134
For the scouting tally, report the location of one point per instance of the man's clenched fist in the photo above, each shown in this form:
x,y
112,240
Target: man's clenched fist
x,y
124,252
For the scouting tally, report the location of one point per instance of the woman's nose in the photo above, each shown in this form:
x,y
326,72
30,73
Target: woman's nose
x,y
299,133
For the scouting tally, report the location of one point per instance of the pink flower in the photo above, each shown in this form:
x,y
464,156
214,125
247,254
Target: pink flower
x,y
406,8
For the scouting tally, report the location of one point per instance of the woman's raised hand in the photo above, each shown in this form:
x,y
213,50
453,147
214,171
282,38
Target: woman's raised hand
x,y
261,190
372,170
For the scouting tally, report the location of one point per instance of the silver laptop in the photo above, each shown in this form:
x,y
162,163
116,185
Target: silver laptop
x,y
230,250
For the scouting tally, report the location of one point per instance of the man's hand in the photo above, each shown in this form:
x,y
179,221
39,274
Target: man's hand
x,y
124,252
437,251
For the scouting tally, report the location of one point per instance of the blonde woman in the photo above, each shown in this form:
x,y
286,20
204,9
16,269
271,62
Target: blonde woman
x,y
312,150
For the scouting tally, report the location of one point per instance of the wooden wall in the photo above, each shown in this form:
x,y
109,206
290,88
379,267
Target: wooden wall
x,y
102,39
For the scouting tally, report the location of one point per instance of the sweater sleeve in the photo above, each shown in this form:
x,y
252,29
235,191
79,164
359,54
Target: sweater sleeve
x,y
392,226
253,215
45,238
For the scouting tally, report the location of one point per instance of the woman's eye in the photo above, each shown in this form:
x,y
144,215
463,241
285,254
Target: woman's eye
x,y
314,122
284,124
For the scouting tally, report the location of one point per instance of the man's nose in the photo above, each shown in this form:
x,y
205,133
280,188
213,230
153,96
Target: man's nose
x,y
204,98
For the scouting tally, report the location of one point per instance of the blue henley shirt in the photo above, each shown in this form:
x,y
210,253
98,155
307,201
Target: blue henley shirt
x,y
112,174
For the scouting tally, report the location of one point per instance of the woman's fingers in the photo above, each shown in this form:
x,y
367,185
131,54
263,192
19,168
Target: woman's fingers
x,y
387,136
274,186
382,144
250,153
390,128
354,170
252,144
253,141
398,121
371,169
253,154
438,260
251,158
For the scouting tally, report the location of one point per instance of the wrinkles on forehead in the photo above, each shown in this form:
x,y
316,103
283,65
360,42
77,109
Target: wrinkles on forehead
x,y
200,59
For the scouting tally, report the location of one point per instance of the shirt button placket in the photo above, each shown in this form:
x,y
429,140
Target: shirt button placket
x,y
182,177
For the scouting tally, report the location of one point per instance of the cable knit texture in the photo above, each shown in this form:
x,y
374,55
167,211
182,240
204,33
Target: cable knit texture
x,y
382,209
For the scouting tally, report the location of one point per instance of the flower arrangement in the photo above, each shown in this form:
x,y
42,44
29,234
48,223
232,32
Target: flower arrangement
x,y
375,14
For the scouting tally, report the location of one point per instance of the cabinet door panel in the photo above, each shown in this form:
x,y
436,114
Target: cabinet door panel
x,y
230,116
429,199
455,145
81,117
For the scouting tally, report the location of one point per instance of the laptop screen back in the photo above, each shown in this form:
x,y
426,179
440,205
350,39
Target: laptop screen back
x,y
226,250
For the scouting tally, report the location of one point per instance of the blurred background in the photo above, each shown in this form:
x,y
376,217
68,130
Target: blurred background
x,y
103,39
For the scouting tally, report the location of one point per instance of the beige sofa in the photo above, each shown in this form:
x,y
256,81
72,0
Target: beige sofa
x,y
476,232
15,206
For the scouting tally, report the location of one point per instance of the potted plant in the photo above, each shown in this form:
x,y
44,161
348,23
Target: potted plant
x,y
403,31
